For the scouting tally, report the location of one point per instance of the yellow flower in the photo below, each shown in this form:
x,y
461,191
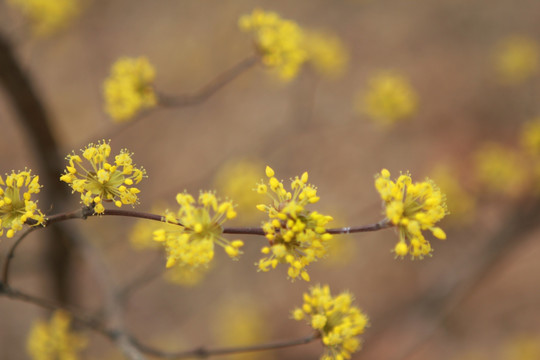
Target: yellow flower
x,y
54,341
235,179
389,98
296,235
103,181
516,59
128,89
336,319
279,41
412,207
16,206
201,222
460,204
240,321
500,169
186,275
46,16
326,53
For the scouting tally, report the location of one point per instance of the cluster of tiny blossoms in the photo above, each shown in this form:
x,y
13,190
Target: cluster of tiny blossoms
x,y
47,16
16,206
103,181
390,98
54,341
200,227
129,89
296,236
336,319
279,41
412,207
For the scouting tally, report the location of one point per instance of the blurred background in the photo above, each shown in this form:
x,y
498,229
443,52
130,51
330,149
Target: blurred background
x,y
472,69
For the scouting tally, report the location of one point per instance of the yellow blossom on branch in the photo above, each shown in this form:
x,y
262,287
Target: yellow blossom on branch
x,y
103,180
201,227
296,235
129,89
516,59
412,207
279,41
336,319
16,206
389,98
47,16
53,340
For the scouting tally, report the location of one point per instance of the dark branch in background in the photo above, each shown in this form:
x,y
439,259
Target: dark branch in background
x,y
33,117
211,88
170,101
434,306
115,334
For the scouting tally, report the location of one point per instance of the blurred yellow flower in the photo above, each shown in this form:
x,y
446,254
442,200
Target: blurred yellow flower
x,y
47,16
500,169
237,179
326,53
461,205
389,98
54,340
516,59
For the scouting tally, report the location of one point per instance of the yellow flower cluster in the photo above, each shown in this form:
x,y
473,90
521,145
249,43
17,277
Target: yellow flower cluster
x,y
47,16
412,207
390,98
296,236
103,181
326,53
336,319
129,89
460,204
500,169
517,58
279,41
54,341
16,206
235,180
201,226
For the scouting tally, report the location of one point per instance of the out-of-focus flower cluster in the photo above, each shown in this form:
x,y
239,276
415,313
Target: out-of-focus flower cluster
x,y
236,179
337,320
500,169
47,16
296,235
102,180
389,98
412,207
129,89
54,340
200,227
16,206
285,46
516,59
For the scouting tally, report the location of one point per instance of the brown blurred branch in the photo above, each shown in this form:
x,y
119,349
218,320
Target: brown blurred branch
x,y
211,88
30,110
434,306
127,342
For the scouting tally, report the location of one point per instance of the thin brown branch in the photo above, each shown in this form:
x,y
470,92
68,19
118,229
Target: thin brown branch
x,y
114,335
203,352
11,254
212,87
